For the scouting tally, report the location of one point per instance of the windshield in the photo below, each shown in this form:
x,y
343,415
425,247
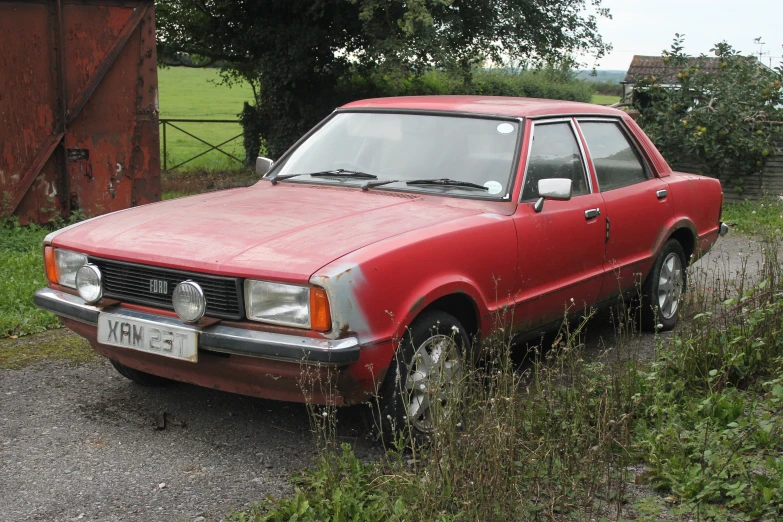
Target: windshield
x,y
406,147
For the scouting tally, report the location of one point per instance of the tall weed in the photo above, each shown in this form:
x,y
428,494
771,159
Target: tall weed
x,y
561,435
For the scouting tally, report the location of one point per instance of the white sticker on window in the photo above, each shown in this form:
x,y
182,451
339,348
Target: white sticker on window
x,y
493,187
505,128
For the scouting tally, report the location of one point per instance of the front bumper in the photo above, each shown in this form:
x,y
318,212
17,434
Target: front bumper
x,y
218,338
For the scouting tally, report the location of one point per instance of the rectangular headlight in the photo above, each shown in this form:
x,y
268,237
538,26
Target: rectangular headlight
x,y
277,303
67,263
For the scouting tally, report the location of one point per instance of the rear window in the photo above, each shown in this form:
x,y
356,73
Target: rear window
x,y
617,162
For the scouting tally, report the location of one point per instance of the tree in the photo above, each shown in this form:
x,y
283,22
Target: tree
x,y
303,58
727,120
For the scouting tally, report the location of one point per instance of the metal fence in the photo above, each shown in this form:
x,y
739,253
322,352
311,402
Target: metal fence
x,y
172,122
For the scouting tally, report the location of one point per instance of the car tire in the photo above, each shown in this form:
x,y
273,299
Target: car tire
x,y
139,377
663,289
432,332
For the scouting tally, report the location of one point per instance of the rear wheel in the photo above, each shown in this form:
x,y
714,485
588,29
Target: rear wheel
x,y
663,290
423,376
137,376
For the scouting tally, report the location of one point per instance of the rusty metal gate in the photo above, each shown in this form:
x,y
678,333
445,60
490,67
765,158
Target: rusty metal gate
x,y
78,107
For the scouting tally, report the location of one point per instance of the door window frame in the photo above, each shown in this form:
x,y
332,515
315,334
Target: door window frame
x,y
649,173
577,137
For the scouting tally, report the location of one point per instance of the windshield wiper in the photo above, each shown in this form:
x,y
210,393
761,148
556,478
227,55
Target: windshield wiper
x,y
373,184
446,182
337,173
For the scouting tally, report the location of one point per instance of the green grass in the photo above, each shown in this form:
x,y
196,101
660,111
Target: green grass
x,y
603,99
21,274
755,218
195,94
53,346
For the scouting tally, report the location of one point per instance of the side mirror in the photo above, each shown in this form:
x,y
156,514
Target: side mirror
x,y
263,165
558,189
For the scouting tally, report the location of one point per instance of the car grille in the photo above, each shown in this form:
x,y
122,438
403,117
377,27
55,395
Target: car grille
x,y
130,282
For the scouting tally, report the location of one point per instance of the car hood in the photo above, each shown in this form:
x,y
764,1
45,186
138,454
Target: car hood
x,y
283,232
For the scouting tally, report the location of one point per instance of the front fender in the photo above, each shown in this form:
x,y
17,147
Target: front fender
x,y
376,292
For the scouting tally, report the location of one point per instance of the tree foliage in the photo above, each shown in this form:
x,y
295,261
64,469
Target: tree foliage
x,y
726,120
303,58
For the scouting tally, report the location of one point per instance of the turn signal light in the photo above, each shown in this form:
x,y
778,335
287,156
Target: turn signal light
x,y
320,316
51,267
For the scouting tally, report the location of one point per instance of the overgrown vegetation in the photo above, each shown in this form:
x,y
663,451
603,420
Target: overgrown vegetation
x,y
562,437
711,429
548,82
724,121
750,217
21,260
608,88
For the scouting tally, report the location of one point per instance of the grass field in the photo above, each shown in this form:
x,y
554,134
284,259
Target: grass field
x,y
195,94
602,99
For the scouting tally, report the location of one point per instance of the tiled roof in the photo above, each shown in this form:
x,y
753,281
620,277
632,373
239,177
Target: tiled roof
x,y
644,66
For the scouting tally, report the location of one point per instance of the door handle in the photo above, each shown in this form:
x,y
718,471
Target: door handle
x,y
592,213
661,194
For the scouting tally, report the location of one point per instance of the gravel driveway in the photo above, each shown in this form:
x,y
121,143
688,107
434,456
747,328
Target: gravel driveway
x,y
83,443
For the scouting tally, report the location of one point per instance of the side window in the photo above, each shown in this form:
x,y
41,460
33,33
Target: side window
x,y
554,154
617,162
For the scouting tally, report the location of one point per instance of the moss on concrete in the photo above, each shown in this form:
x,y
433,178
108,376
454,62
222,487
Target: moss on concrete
x,y
54,345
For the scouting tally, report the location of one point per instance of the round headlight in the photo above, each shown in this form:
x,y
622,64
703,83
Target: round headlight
x,y
88,283
189,301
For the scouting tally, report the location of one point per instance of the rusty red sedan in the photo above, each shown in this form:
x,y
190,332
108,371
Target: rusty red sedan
x,y
381,246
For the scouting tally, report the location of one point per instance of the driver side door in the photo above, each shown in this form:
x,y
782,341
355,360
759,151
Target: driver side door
x,y
560,249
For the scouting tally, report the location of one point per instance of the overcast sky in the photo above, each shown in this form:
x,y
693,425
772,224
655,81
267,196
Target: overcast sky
x,y
648,27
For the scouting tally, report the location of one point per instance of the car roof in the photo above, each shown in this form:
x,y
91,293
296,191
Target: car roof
x,y
491,105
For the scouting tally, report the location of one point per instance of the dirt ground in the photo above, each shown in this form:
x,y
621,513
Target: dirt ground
x,y
80,442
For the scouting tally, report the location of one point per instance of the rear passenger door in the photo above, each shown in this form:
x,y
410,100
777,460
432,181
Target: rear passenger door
x,y
636,202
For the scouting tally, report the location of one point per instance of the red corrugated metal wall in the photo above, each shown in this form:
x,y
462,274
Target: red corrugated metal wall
x,y
78,107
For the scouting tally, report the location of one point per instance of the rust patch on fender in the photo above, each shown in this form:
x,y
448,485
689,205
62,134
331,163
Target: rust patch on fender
x,y
347,314
338,276
345,329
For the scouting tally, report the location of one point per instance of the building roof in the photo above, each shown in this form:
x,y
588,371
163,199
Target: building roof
x,y
490,105
645,66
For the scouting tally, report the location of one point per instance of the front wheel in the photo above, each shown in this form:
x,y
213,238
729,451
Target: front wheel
x,y
663,290
423,376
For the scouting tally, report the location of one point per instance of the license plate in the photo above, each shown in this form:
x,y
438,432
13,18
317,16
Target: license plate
x,y
148,336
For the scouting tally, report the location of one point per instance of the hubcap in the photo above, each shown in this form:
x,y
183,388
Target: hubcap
x,y
434,369
670,286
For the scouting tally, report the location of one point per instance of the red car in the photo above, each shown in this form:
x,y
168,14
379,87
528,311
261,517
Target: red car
x,y
396,226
